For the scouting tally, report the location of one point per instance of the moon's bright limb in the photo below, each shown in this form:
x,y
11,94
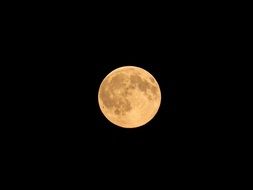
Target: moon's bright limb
x,y
129,97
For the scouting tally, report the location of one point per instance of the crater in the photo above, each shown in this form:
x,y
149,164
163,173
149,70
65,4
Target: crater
x,y
117,112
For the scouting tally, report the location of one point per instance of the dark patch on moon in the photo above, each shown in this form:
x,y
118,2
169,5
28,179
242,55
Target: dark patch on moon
x,y
154,90
122,107
127,106
126,92
117,81
143,84
135,79
117,112
150,97
110,99
152,79
131,86
105,95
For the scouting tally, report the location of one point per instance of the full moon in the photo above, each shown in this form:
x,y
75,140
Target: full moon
x,y
129,97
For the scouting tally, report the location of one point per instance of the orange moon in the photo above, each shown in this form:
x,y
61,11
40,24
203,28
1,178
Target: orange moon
x,y
129,97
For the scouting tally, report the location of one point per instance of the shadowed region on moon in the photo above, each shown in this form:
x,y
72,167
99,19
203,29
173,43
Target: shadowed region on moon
x,y
144,85
113,94
124,90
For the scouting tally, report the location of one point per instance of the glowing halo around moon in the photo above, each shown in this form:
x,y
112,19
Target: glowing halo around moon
x,y
129,97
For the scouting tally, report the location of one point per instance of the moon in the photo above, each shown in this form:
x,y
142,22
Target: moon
x,y
129,97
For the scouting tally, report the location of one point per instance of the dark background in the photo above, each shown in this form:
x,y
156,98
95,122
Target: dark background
x,y
58,58
65,58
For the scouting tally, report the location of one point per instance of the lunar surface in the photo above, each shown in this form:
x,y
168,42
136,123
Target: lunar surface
x,y
129,97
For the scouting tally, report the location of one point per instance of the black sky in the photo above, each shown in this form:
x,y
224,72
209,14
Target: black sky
x,y
62,57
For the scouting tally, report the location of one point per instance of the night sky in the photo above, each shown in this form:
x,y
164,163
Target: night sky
x,y
62,61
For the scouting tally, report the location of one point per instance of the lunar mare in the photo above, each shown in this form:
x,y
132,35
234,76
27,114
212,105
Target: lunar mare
x,y
129,97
